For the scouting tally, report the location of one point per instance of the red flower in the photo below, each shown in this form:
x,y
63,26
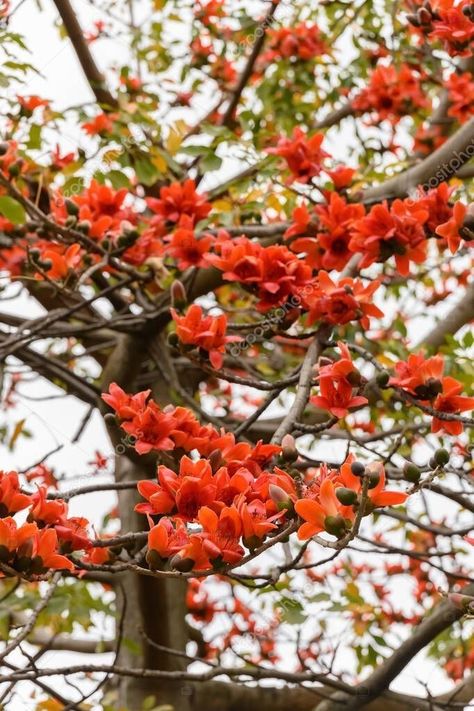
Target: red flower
x,y
303,155
339,303
453,28
397,231
206,332
461,96
176,200
378,495
255,521
221,534
330,248
167,539
341,176
316,513
450,401
186,248
62,261
185,492
11,498
151,429
302,223
451,229
126,406
337,397
58,161
391,94
100,124
302,41
47,511
30,103
34,550
420,376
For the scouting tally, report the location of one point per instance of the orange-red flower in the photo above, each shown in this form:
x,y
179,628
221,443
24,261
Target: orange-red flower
x,y
341,302
396,231
303,41
63,261
391,93
221,534
461,96
453,28
315,513
186,248
450,401
11,498
100,124
378,495
451,230
206,332
337,397
179,199
303,155
420,376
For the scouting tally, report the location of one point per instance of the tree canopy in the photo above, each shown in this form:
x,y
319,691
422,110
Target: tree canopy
x,y
253,272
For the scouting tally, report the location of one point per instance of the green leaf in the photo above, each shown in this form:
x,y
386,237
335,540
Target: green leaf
x,y
146,171
34,141
12,210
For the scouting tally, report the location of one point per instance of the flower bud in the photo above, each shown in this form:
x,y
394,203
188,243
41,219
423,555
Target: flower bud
x,y
382,379
411,472
347,497
335,525
182,565
215,460
358,469
441,457
289,452
178,295
71,208
153,559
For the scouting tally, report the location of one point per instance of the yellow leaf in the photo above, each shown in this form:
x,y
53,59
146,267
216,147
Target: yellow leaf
x,y
222,205
160,163
16,433
175,136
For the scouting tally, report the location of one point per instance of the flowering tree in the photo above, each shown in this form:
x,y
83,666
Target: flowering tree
x,y
268,201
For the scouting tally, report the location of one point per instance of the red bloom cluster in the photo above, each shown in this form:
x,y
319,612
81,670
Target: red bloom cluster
x,y
423,378
37,545
27,549
461,96
325,505
205,332
329,248
452,26
232,492
302,41
341,302
100,125
303,155
179,199
336,384
273,273
396,230
100,206
391,93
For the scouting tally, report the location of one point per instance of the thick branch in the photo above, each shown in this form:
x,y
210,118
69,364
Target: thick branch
x,y
443,617
93,75
460,314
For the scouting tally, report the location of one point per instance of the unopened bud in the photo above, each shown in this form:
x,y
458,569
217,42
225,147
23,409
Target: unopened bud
x,y
178,295
215,460
288,451
182,565
347,497
71,208
335,525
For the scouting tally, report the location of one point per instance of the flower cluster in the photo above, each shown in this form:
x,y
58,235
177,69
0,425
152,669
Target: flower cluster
x,y
342,301
332,497
48,533
391,93
461,96
303,155
303,41
423,379
205,332
273,272
448,21
336,383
